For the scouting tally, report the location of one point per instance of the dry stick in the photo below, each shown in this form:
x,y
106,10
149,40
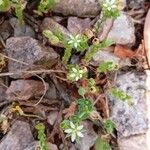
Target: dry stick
x,y
45,89
29,72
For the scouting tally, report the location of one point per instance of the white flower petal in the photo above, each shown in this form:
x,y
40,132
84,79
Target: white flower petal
x,y
73,137
80,127
75,44
80,75
72,125
105,5
72,75
113,6
79,134
109,8
70,42
74,70
77,78
81,71
68,131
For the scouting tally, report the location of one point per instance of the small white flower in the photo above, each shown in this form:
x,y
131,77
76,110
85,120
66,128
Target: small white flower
x,y
74,41
110,4
1,2
74,131
76,73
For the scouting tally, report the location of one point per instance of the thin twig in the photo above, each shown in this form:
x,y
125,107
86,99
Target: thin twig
x,y
45,89
31,72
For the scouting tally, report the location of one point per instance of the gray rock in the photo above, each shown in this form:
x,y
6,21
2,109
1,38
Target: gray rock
x,y
136,3
130,120
18,138
28,50
35,146
77,25
21,30
136,142
2,93
51,118
106,56
81,8
25,89
89,137
6,30
51,92
55,27
123,30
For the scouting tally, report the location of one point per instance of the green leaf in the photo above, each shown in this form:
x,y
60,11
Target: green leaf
x,y
67,54
5,5
41,136
117,93
51,37
45,6
95,48
81,91
102,144
106,67
109,125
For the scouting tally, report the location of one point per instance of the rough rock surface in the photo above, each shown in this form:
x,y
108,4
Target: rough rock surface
x,y
51,118
135,3
77,25
21,30
122,31
28,50
136,142
89,137
105,56
25,89
81,8
51,92
133,122
130,120
2,93
18,138
6,30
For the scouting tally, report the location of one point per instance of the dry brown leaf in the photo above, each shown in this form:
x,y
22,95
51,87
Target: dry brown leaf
x,y
123,52
70,111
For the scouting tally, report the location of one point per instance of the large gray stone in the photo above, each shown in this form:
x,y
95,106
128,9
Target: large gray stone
x,y
89,137
132,122
25,89
123,30
18,138
28,50
81,8
106,56
77,25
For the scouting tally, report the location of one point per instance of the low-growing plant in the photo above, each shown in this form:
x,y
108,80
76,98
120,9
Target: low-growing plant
x,y
121,95
44,6
109,126
93,49
107,67
19,5
72,126
41,136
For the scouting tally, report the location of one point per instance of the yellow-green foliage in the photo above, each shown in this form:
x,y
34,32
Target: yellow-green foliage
x,y
45,6
41,136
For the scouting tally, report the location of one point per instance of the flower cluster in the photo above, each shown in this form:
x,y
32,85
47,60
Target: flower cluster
x,y
110,8
78,42
110,4
75,73
74,131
